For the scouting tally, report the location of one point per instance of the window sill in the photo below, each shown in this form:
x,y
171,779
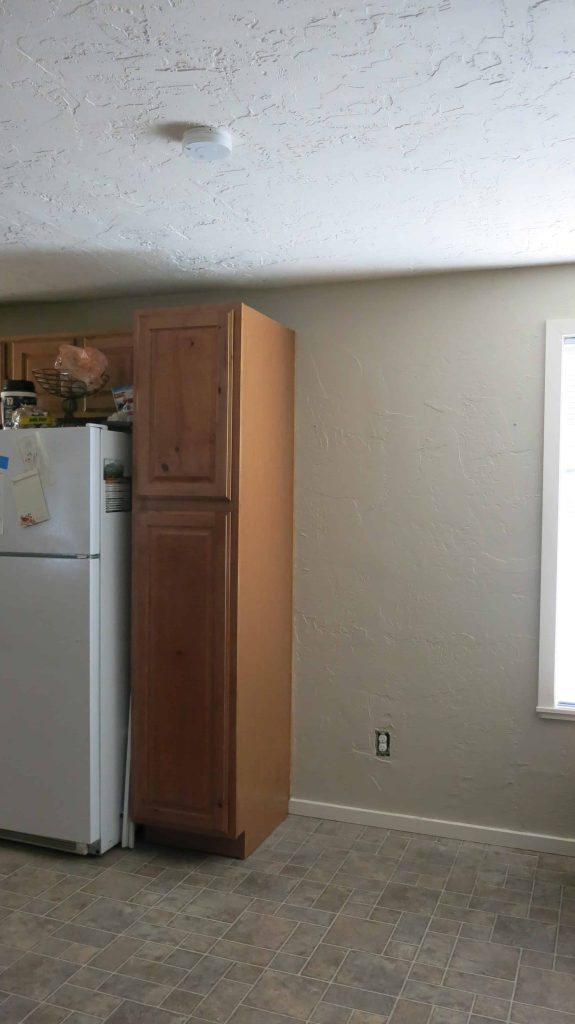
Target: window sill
x,y
567,714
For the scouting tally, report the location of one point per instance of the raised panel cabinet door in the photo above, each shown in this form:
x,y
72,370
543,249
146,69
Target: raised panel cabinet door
x,y
28,354
183,403
180,670
118,347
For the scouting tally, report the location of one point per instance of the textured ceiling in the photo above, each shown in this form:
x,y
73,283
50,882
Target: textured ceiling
x,y
371,138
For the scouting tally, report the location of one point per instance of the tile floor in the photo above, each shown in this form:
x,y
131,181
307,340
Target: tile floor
x,y
326,922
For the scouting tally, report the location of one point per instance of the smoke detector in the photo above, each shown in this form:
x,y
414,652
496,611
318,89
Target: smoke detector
x,y
203,143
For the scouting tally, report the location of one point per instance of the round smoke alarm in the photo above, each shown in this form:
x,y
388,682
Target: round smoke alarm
x,y
207,143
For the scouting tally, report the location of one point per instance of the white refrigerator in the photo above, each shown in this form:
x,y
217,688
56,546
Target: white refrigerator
x,y
64,636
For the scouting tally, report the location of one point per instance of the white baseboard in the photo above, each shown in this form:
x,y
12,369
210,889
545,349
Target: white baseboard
x,y
436,827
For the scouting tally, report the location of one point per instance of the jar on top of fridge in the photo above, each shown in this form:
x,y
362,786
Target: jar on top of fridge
x,y
14,395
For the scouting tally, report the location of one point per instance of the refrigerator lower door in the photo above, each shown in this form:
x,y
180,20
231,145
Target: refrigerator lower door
x,y
49,698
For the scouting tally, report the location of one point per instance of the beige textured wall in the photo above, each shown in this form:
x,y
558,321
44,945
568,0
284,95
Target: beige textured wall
x,y
419,440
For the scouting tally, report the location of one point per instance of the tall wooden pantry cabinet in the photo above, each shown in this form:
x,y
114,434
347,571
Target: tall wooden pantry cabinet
x,y
212,612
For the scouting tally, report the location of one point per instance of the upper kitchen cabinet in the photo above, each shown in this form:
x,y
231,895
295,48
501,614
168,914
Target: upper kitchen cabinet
x,y
26,354
118,347
183,403
23,355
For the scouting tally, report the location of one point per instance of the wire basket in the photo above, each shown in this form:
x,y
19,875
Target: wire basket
x,y
63,385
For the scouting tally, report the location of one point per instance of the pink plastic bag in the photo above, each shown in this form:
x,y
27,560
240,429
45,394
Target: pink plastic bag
x,y
86,364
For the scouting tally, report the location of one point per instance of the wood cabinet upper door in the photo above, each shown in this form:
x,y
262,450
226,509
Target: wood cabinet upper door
x,y
28,354
180,670
183,403
118,347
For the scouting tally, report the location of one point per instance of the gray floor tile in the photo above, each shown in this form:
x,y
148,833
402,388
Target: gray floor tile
x,y
375,973
116,953
366,866
96,1004
308,915
333,898
14,1009
149,970
81,1018
243,952
46,1014
329,1013
137,1013
247,973
362,1017
488,1006
436,949
324,962
89,977
488,958
115,885
24,931
288,962
221,1001
251,1015
260,930
408,897
353,933
513,931
441,1015
411,928
268,887
31,881
437,995
35,976
359,999
521,1013
85,936
551,989
139,991
478,983
181,1001
205,974
340,829
566,941
296,996
8,953
220,906
407,1012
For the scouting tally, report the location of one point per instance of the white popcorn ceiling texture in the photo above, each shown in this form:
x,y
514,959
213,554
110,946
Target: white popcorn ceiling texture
x,y
371,138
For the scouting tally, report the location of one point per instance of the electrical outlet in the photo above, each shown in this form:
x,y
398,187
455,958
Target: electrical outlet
x,y
382,743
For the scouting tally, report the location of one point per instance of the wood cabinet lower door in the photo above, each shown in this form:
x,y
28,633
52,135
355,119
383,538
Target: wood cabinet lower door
x,y
181,676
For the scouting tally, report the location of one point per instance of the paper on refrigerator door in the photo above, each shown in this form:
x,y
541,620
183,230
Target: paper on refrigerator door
x,y
33,454
29,498
4,463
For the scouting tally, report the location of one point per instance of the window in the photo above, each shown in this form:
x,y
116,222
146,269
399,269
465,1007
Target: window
x,y
557,620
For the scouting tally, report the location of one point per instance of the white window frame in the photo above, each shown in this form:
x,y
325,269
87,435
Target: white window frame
x,y
547,705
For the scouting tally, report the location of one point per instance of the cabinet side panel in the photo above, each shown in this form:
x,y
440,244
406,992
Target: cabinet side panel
x,y
265,555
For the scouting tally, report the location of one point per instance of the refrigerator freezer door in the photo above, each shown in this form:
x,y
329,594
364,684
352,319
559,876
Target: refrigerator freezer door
x,y
49,698
70,471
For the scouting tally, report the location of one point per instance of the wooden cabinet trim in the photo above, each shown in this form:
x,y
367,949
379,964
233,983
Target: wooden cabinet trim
x,y
174,316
